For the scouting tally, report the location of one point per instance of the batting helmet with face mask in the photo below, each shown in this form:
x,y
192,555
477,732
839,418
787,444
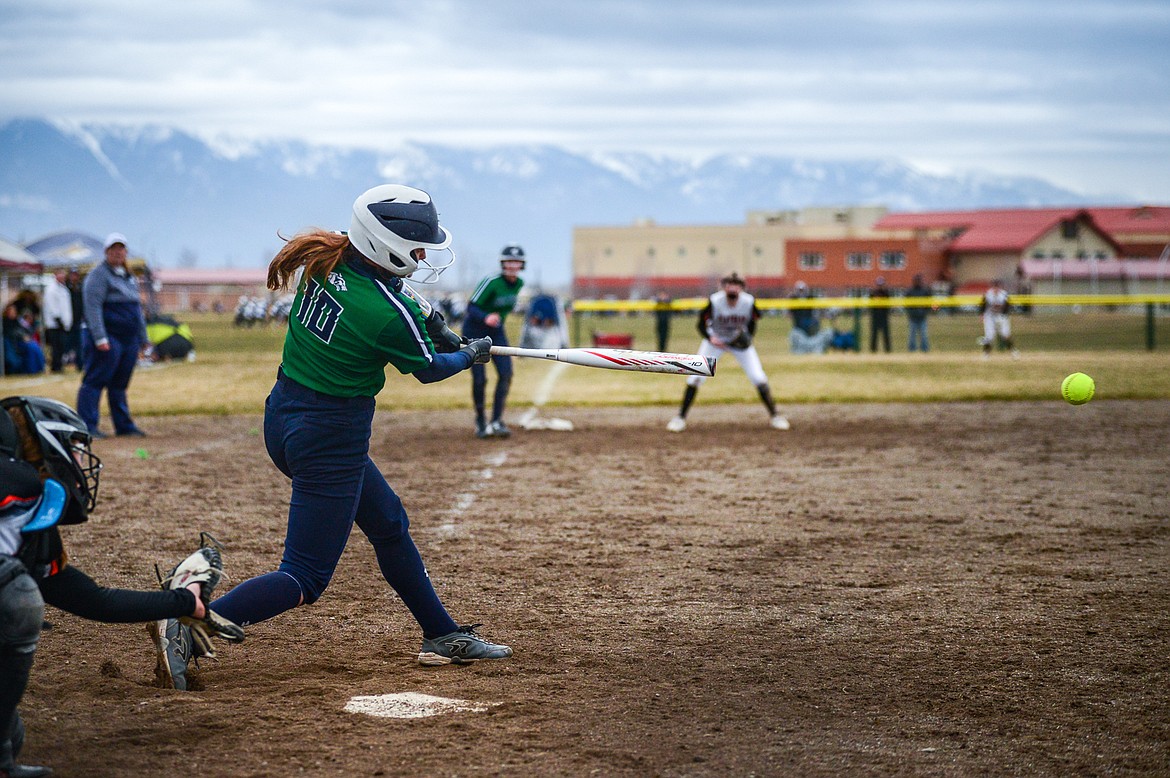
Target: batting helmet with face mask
x,y
391,222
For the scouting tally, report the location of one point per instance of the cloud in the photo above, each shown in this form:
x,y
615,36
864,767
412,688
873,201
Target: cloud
x,y
1024,87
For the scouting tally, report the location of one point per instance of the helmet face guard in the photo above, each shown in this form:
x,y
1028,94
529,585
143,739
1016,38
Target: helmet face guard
x,y
391,223
55,435
73,450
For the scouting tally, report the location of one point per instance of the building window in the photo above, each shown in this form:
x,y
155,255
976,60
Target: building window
x,y
682,251
892,260
858,260
1037,255
1082,255
758,251
1058,255
651,251
713,251
608,251
1101,255
812,260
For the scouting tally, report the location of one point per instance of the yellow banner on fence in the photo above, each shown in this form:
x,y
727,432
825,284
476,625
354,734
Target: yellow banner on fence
x,y
952,301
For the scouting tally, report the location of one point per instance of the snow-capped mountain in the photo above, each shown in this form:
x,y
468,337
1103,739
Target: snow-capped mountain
x,y
183,201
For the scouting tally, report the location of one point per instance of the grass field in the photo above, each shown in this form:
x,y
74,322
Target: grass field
x,y
235,367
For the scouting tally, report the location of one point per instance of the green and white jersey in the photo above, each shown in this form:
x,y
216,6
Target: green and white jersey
x,y
344,329
495,295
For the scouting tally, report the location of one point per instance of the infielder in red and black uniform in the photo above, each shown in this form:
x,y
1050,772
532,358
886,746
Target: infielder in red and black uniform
x,y
728,323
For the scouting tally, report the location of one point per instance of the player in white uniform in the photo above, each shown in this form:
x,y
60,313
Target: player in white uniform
x,y
728,324
995,307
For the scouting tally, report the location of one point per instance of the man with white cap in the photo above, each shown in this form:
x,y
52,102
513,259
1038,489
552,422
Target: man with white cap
x,y
113,333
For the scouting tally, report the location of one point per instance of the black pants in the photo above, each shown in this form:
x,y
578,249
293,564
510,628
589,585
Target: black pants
x,y
882,327
58,341
662,330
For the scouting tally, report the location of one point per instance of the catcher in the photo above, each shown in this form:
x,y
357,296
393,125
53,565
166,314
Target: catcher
x,y
49,476
728,323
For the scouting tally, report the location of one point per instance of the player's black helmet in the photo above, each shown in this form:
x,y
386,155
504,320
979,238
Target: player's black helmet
x,y
57,442
513,253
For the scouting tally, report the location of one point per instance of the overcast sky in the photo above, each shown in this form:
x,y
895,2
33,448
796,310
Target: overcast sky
x,y
1074,92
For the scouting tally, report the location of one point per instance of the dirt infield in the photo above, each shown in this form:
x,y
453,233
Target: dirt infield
x,y
886,589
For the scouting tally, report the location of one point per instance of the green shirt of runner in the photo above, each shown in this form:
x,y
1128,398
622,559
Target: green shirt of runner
x,y
344,329
496,295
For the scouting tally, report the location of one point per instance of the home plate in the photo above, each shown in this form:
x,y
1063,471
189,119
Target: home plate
x,y
411,705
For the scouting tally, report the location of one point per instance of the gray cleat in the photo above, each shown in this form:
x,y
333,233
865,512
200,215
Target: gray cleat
x,y
461,647
172,644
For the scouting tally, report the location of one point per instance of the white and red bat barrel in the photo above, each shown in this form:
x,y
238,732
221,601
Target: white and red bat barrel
x,y
619,359
644,361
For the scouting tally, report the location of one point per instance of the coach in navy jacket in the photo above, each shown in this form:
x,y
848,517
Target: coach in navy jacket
x,y
112,335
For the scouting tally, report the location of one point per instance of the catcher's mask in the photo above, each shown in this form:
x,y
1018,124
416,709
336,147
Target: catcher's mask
x,y
55,441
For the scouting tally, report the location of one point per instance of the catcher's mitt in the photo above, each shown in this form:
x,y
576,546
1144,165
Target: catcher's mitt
x,y
211,625
742,340
205,567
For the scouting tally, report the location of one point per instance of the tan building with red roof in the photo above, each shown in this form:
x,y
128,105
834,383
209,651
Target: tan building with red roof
x,y
1051,250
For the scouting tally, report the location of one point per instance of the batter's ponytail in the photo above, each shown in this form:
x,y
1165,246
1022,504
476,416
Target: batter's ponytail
x,y
318,252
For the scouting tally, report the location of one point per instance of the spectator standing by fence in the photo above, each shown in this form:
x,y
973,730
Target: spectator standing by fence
x,y
662,313
916,314
879,316
77,301
58,316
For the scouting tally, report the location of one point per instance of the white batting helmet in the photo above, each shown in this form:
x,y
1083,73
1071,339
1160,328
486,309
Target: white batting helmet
x,y
391,221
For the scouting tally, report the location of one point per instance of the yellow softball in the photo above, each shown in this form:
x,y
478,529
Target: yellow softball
x,y
1077,389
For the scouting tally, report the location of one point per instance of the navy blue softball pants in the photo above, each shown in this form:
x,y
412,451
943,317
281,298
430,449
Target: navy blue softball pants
x,y
322,443
479,372
110,370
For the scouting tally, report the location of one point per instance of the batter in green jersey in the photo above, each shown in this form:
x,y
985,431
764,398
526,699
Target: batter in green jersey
x,y
490,304
343,331
352,316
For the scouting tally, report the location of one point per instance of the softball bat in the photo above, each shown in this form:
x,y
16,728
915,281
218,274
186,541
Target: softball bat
x,y
617,359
